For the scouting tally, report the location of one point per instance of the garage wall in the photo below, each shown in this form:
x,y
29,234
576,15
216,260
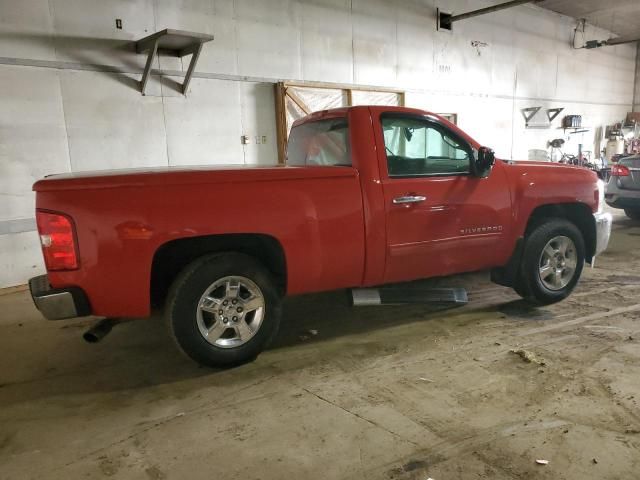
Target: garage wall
x,y
636,95
61,111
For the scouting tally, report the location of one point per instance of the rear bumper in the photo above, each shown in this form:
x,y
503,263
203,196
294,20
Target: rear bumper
x,y
58,303
603,221
617,197
619,201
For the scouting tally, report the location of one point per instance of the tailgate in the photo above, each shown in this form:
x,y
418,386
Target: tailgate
x,y
632,182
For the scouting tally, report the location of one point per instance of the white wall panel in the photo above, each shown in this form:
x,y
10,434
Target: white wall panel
x,y
204,128
537,73
414,45
33,140
214,17
86,30
26,29
109,124
374,42
486,120
20,258
258,119
268,38
326,40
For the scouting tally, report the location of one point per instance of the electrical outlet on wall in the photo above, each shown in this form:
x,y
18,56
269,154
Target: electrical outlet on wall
x,y
245,139
119,23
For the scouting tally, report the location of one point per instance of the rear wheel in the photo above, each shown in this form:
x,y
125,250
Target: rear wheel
x,y
552,262
632,213
223,309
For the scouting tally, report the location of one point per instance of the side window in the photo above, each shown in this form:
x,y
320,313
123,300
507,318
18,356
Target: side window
x,y
323,142
419,147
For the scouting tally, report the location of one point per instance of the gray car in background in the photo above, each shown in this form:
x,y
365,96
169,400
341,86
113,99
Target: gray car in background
x,y
623,187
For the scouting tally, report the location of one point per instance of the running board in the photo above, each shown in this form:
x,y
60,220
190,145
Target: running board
x,y
411,295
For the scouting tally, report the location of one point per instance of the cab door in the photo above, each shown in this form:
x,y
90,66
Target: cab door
x,y
440,218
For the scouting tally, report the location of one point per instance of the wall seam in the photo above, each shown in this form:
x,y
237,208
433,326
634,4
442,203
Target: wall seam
x,y
240,101
64,112
164,113
164,122
66,124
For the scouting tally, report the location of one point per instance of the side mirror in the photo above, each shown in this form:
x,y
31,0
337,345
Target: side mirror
x,y
485,161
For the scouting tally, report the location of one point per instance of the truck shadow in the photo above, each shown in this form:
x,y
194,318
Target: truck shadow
x,y
140,355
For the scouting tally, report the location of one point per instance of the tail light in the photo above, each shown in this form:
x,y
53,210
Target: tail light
x,y
618,170
58,240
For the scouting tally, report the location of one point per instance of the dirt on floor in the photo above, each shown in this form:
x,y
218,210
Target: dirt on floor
x,y
480,391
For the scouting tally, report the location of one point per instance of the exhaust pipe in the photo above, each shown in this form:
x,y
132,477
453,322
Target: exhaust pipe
x,y
100,330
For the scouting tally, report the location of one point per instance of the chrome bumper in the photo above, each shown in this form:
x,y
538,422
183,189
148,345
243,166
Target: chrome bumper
x,y
604,222
58,303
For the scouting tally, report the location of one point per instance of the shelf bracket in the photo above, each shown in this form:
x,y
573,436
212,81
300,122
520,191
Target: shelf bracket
x,y
177,43
529,113
552,113
153,52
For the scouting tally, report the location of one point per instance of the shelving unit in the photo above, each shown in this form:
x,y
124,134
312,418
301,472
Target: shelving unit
x,y
575,130
178,43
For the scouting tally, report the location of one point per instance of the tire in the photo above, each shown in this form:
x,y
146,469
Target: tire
x,y
234,278
539,280
632,213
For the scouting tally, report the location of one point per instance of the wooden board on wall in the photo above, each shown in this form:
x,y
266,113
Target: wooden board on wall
x,y
296,99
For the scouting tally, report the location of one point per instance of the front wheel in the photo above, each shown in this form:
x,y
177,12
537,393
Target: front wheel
x,y
552,262
223,309
632,213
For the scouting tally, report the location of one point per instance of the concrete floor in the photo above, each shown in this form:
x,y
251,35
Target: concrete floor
x,y
378,393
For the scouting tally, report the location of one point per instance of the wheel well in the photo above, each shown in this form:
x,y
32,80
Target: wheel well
x,y
577,213
173,256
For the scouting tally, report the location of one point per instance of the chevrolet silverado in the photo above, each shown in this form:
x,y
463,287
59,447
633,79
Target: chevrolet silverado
x,y
368,196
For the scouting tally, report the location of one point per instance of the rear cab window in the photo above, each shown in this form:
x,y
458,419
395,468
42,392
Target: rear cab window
x,y
320,143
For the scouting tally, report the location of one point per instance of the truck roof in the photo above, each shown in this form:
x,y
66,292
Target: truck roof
x,y
343,111
378,109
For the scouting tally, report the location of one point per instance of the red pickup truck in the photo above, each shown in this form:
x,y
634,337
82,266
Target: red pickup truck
x,y
369,196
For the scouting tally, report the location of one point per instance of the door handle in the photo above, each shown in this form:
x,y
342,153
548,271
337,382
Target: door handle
x,y
409,199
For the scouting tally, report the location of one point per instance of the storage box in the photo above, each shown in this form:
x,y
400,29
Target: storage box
x,y
572,121
633,117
